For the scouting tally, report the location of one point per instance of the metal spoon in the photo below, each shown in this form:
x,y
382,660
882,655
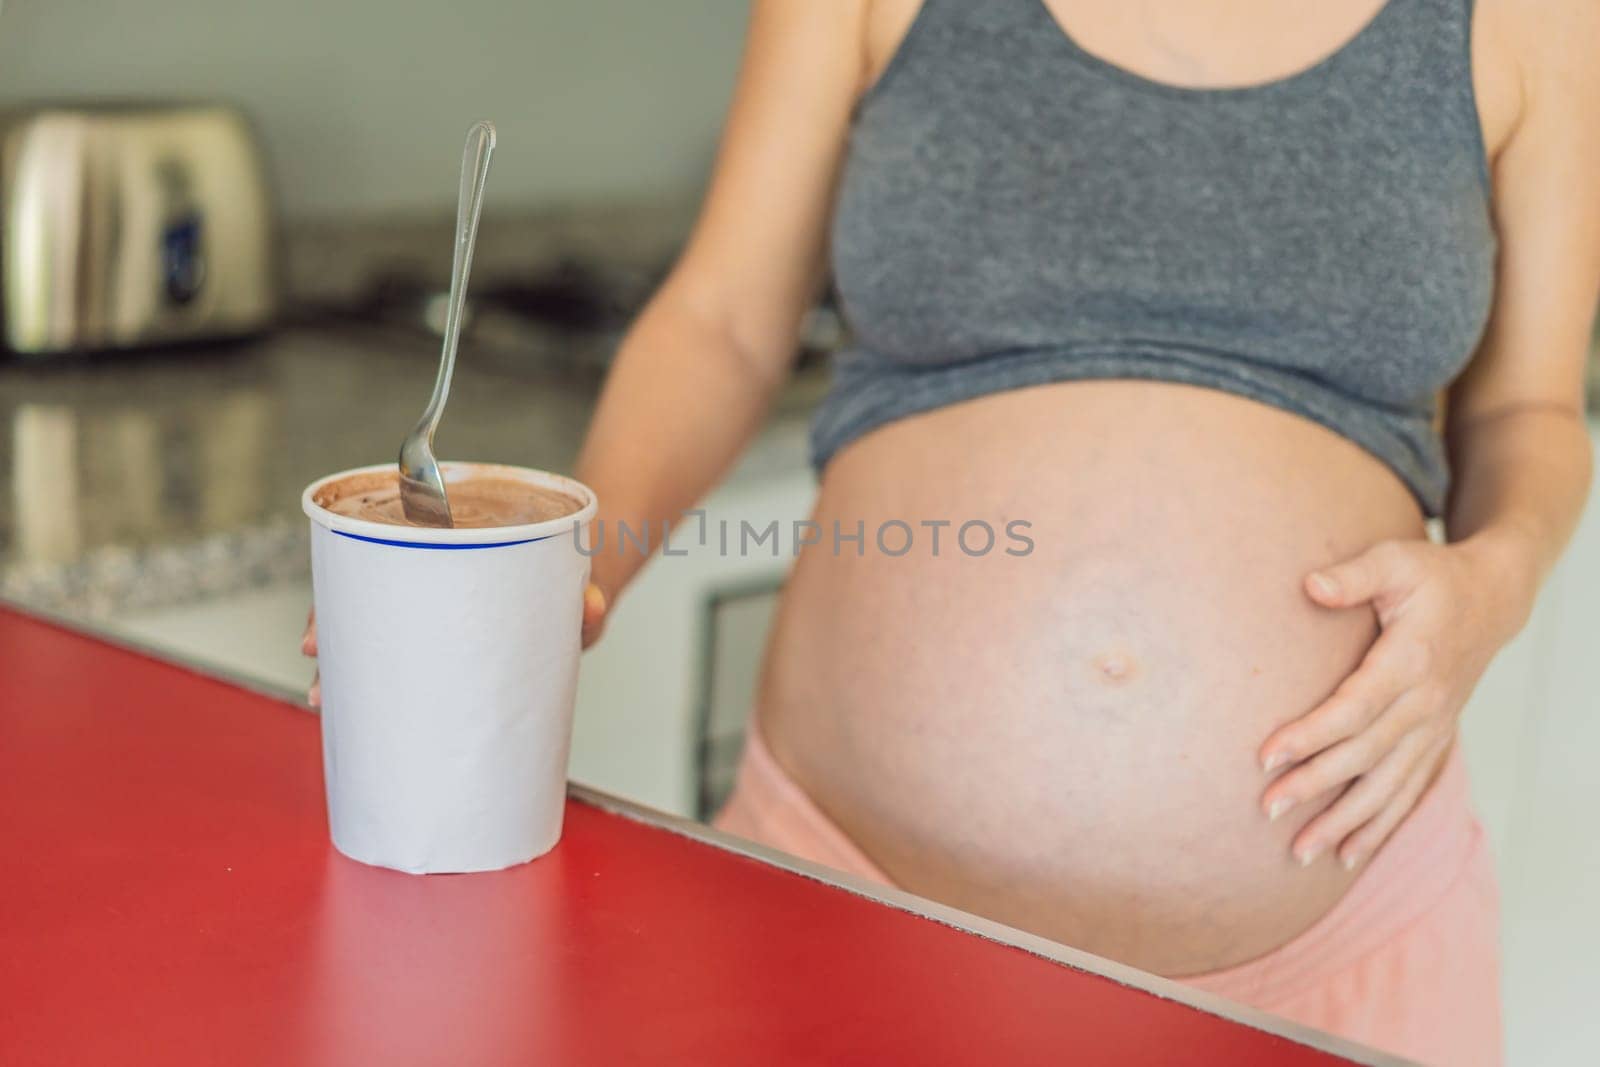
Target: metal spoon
x,y
422,494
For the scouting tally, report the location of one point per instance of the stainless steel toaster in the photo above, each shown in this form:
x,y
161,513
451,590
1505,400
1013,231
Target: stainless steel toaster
x,y
126,225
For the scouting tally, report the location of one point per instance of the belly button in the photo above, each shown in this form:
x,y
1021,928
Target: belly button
x,y
1115,668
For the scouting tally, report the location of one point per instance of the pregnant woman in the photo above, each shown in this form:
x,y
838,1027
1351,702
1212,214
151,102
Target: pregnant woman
x,y
1223,300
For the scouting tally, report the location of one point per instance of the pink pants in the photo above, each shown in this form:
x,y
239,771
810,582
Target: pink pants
x,y
1407,961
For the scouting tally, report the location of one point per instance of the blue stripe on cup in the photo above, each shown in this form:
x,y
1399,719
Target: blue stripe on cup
x,y
450,548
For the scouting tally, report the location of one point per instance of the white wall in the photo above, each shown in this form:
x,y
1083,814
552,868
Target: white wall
x,y
365,103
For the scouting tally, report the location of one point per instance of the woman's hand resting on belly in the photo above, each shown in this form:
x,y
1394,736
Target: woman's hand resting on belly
x,y
1444,611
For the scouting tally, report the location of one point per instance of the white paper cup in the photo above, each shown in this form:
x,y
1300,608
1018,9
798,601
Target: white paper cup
x,y
449,661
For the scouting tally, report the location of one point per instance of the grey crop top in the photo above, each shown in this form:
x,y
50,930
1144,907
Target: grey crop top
x,y
1014,211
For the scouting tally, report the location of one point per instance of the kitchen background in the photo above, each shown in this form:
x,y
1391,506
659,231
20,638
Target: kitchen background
x,y
364,103
154,494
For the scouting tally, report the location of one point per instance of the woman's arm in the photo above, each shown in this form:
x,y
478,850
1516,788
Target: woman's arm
x,y
1519,447
1521,459
695,376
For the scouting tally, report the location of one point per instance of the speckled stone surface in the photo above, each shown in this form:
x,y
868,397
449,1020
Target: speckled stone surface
x,y
151,479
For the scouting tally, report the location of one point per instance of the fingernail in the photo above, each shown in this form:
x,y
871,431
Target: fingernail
x,y
1307,855
1274,761
1349,861
1279,806
1325,585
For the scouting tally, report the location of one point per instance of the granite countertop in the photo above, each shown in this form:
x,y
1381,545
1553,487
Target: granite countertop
x,y
149,479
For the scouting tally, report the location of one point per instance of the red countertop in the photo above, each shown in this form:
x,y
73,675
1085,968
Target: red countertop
x,y
168,895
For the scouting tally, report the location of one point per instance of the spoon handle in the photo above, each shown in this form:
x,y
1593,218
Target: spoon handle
x,y
469,205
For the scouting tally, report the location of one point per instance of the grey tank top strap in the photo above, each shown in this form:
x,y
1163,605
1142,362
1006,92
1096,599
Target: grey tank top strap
x,y
1015,210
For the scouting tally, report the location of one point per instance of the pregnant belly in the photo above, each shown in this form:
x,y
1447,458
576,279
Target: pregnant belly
x,y
1065,740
